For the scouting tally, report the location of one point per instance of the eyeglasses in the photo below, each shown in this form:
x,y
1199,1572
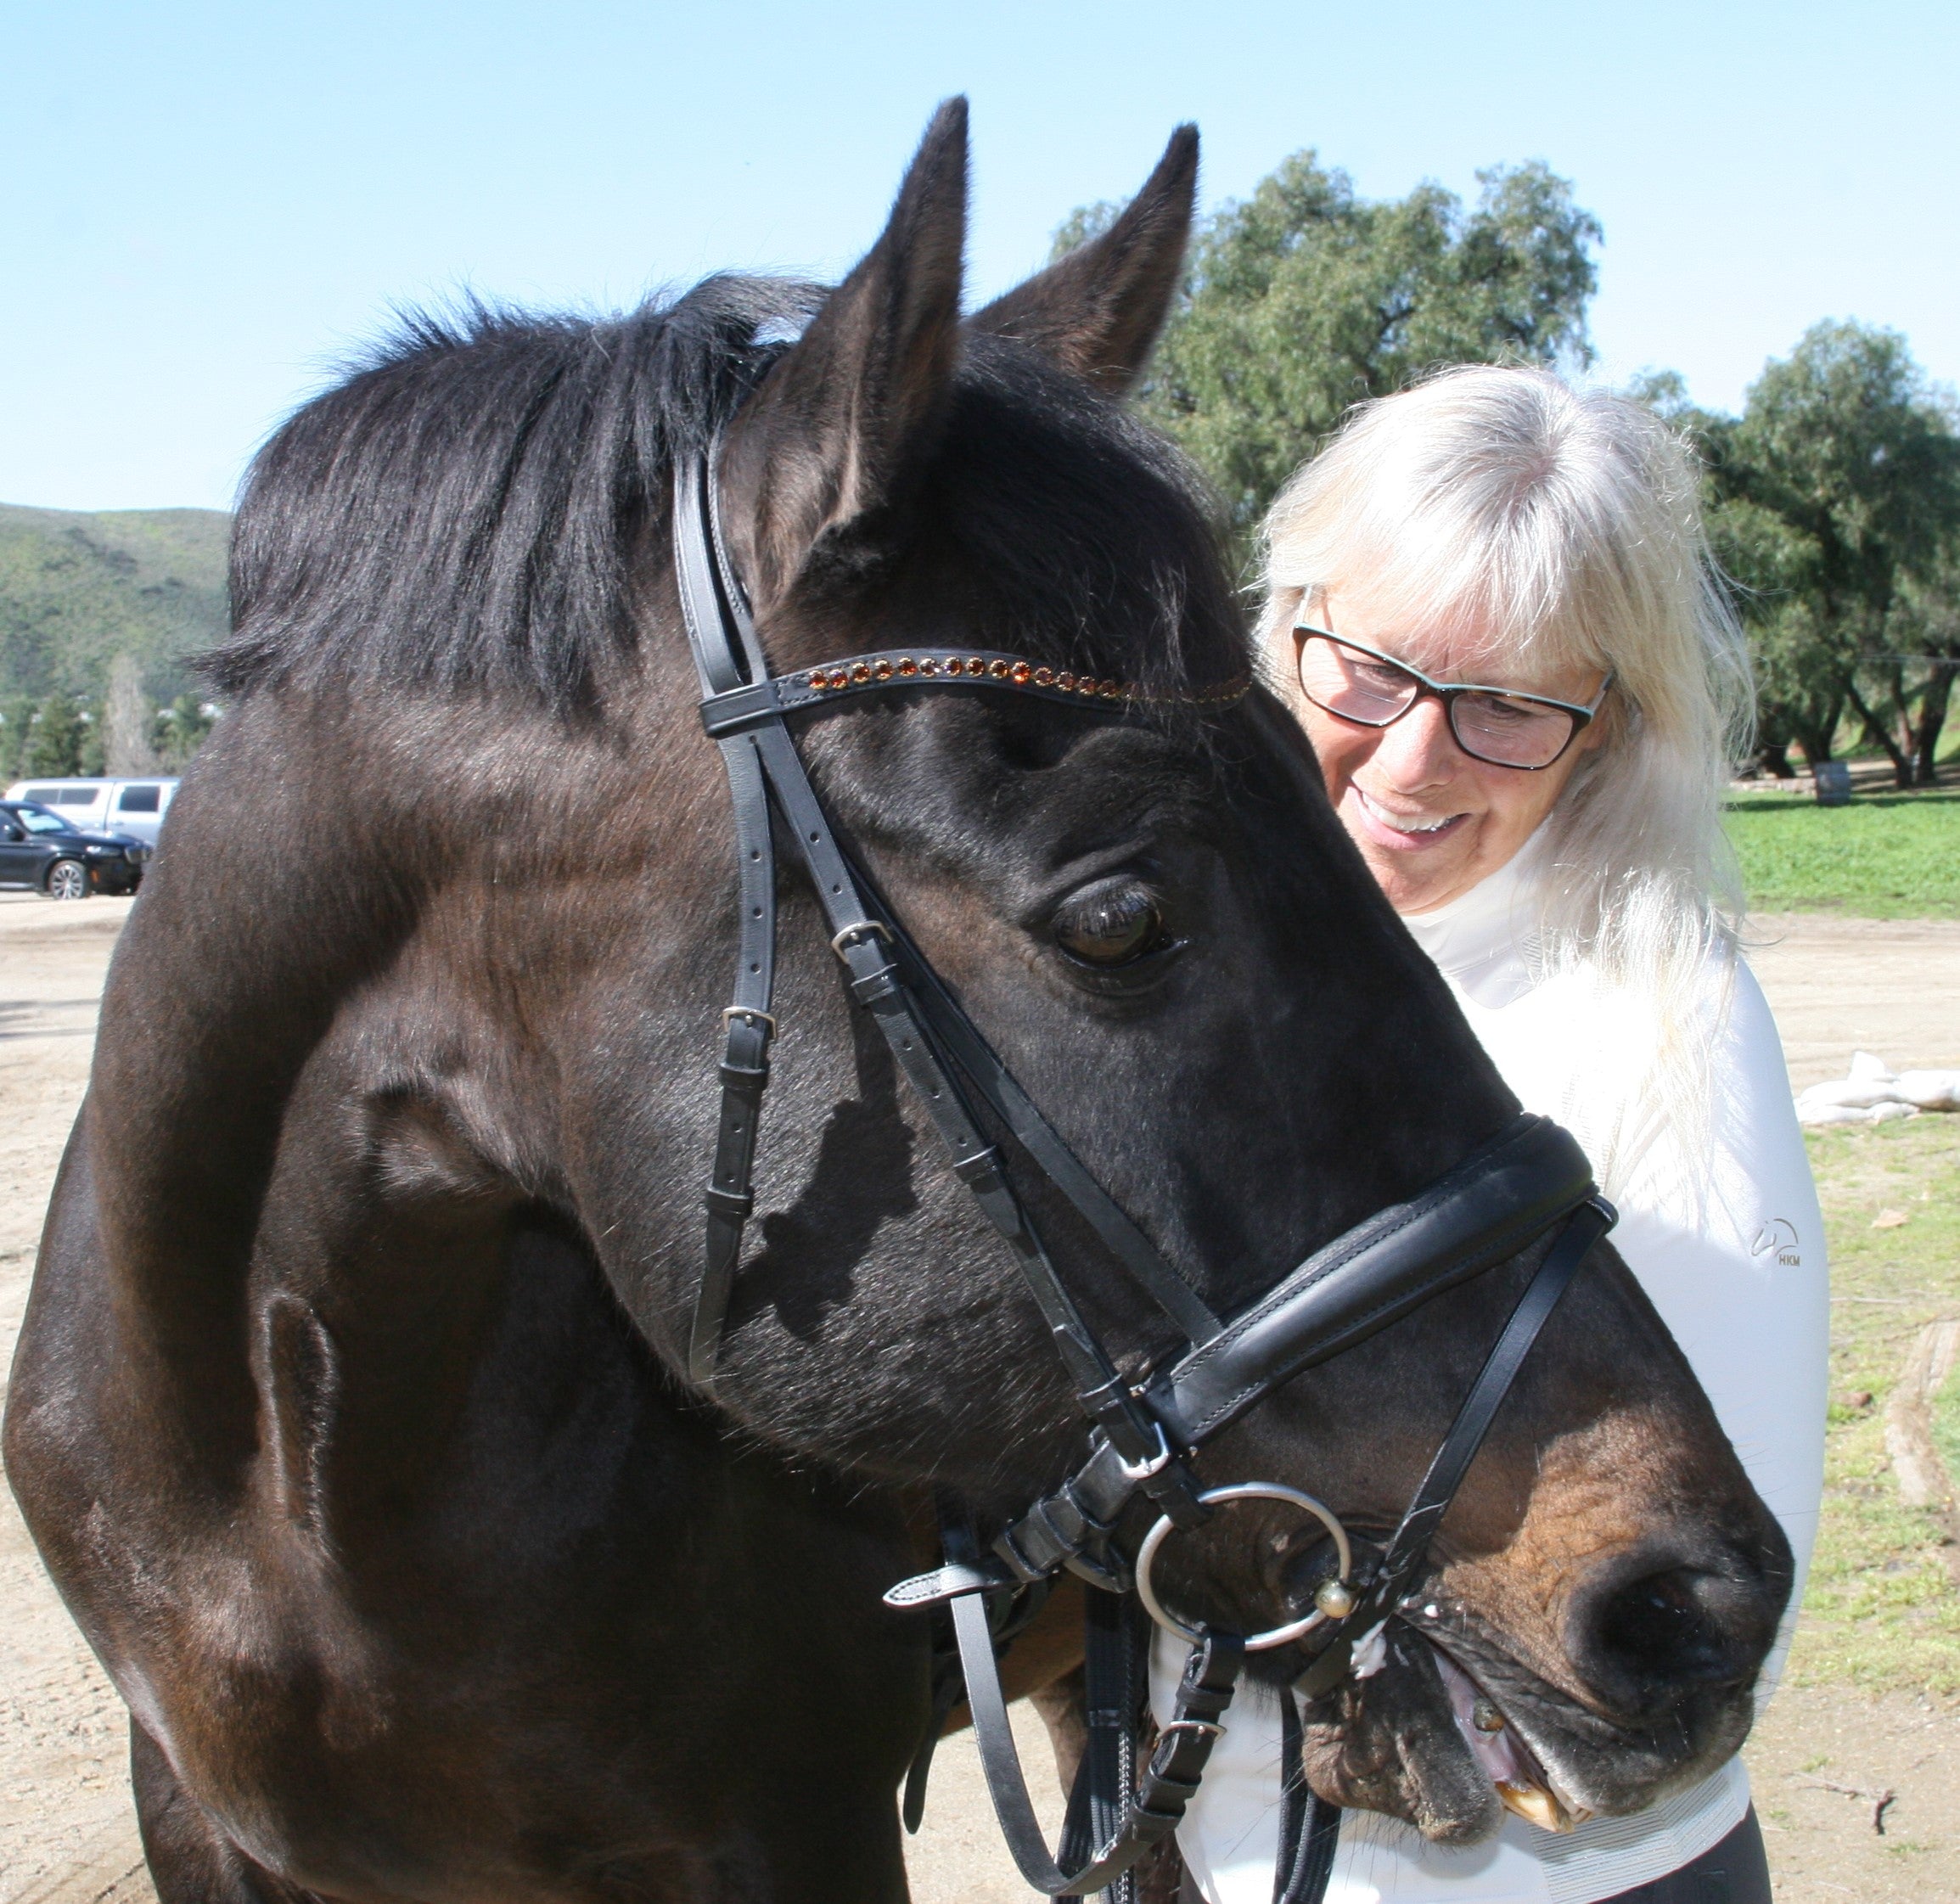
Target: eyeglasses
x,y
1358,683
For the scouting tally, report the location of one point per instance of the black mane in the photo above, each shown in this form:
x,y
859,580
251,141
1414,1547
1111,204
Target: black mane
x,y
464,509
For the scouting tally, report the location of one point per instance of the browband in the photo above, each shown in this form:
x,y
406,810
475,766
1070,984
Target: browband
x,y
766,699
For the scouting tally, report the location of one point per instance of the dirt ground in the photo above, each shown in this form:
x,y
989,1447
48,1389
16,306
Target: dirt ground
x,y
1822,1760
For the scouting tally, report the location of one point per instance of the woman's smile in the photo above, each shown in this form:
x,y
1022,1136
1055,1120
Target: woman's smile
x,y
1401,832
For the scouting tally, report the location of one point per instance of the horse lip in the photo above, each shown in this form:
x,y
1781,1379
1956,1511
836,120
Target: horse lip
x,y
1530,1791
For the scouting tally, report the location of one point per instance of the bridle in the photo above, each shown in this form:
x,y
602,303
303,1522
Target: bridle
x,y
1491,1206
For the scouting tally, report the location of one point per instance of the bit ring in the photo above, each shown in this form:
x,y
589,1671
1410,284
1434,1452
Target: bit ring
x,y
1217,1497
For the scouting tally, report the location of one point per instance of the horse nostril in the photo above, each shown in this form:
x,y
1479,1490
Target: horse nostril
x,y
1681,1626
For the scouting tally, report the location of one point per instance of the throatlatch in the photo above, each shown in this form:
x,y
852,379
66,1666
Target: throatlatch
x,y
1141,1439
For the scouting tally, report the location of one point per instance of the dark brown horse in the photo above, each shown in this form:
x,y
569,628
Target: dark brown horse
x,y
348,1413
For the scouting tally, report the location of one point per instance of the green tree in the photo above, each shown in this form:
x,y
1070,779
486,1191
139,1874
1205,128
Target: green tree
x,y
1800,673
16,719
1307,297
55,742
1842,475
181,730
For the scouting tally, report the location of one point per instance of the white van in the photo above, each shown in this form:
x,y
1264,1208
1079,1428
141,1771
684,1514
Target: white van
x,y
136,807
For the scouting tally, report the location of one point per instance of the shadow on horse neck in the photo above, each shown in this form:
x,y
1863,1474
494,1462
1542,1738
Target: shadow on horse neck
x,y
350,1414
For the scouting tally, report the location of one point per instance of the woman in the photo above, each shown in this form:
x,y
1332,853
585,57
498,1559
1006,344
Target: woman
x,y
1550,834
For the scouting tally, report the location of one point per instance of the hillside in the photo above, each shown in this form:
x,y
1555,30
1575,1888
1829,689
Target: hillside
x,y
76,590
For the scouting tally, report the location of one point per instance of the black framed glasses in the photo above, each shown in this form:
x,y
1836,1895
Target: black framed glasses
x,y
1356,683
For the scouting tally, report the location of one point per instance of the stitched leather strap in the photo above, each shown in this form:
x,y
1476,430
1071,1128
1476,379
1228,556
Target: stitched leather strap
x,y
1150,1813
723,639
1486,1209
708,612
1451,1463
1309,1827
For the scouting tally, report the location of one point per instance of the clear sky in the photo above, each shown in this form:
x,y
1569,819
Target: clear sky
x,y
205,204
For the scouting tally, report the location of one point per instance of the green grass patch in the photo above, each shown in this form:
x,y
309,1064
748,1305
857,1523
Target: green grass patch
x,y
1886,856
1883,1611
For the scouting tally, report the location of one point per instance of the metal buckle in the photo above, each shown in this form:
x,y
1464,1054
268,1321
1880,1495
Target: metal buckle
x,y
1138,1472
1190,1725
751,1013
1216,1496
863,929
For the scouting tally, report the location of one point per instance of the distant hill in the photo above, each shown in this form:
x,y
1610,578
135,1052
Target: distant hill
x,y
77,590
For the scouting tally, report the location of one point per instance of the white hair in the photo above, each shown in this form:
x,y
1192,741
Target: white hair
x,y
1565,524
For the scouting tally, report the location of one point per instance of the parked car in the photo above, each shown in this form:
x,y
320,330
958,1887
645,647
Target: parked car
x,y
39,849
136,807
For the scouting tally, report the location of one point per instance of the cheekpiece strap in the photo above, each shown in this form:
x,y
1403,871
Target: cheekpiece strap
x,y
1410,1539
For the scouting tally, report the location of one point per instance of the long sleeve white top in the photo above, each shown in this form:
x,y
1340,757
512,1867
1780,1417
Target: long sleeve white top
x,y
1733,1257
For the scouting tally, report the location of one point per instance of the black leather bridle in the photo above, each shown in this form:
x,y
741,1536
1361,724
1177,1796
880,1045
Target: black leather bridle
x,y
1496,1204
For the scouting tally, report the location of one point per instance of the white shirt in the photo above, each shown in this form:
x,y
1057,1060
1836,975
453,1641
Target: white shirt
x,y
1736,1268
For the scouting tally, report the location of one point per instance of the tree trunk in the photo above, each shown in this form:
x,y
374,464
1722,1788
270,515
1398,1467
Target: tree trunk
x,y
1932,719
1879,733
1773,758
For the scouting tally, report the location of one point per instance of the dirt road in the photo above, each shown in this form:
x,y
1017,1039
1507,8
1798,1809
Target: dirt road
x,y
1821,1760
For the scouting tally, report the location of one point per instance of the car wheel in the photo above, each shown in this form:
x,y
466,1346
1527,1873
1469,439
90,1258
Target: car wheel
x,y
68,879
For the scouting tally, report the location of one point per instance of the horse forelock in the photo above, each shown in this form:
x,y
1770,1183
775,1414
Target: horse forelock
x,y
468,508
460,509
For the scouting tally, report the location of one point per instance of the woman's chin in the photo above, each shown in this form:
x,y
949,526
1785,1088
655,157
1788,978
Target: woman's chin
x,y
1418,871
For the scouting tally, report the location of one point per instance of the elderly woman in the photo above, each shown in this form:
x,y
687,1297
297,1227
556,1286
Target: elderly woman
x,y
1492,605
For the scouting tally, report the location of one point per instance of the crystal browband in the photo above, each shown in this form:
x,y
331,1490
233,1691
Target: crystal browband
x,y
784,693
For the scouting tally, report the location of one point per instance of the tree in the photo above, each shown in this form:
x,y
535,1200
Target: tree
x,y
54,741
1799,674
128,720
182,728
1840,483
1306,298
16,722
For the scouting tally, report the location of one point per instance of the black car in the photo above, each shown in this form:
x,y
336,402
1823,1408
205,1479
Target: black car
x,y
39,849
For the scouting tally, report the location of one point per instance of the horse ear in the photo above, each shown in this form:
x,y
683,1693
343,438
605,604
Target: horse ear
x,y
847,414
1097,312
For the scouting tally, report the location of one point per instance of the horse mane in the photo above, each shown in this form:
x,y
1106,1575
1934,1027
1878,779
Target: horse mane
x,y
464,508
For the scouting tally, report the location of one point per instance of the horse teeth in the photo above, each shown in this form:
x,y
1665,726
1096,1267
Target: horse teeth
x,y
1536,1806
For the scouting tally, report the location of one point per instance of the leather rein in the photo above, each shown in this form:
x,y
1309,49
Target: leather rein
x,y
1496,1204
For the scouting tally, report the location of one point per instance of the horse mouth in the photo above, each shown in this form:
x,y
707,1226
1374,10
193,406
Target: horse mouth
x,y
1450,1740
1522,1785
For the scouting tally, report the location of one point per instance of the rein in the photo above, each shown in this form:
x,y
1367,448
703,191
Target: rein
x,y
1496,1203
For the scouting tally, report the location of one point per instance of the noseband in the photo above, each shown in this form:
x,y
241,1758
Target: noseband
x,y
1494,1205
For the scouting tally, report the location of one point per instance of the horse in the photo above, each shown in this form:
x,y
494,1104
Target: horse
x,y
354,1414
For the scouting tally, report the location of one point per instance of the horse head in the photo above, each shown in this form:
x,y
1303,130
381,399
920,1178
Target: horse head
x,y
458,636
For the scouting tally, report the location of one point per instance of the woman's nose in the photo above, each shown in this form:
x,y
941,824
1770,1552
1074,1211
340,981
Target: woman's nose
x,y
1419,751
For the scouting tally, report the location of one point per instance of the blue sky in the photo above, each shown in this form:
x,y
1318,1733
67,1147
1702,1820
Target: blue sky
x,y
205,206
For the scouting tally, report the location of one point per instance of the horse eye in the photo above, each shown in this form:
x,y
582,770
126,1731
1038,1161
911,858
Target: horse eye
x,y
1110,923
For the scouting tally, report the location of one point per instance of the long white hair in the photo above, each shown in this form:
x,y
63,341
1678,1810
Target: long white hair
x,y
1566,523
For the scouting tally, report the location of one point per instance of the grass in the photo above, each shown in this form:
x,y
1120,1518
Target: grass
x,y
1883,1608
1886,856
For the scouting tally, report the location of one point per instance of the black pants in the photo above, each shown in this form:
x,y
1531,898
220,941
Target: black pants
x,y
1733,1872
